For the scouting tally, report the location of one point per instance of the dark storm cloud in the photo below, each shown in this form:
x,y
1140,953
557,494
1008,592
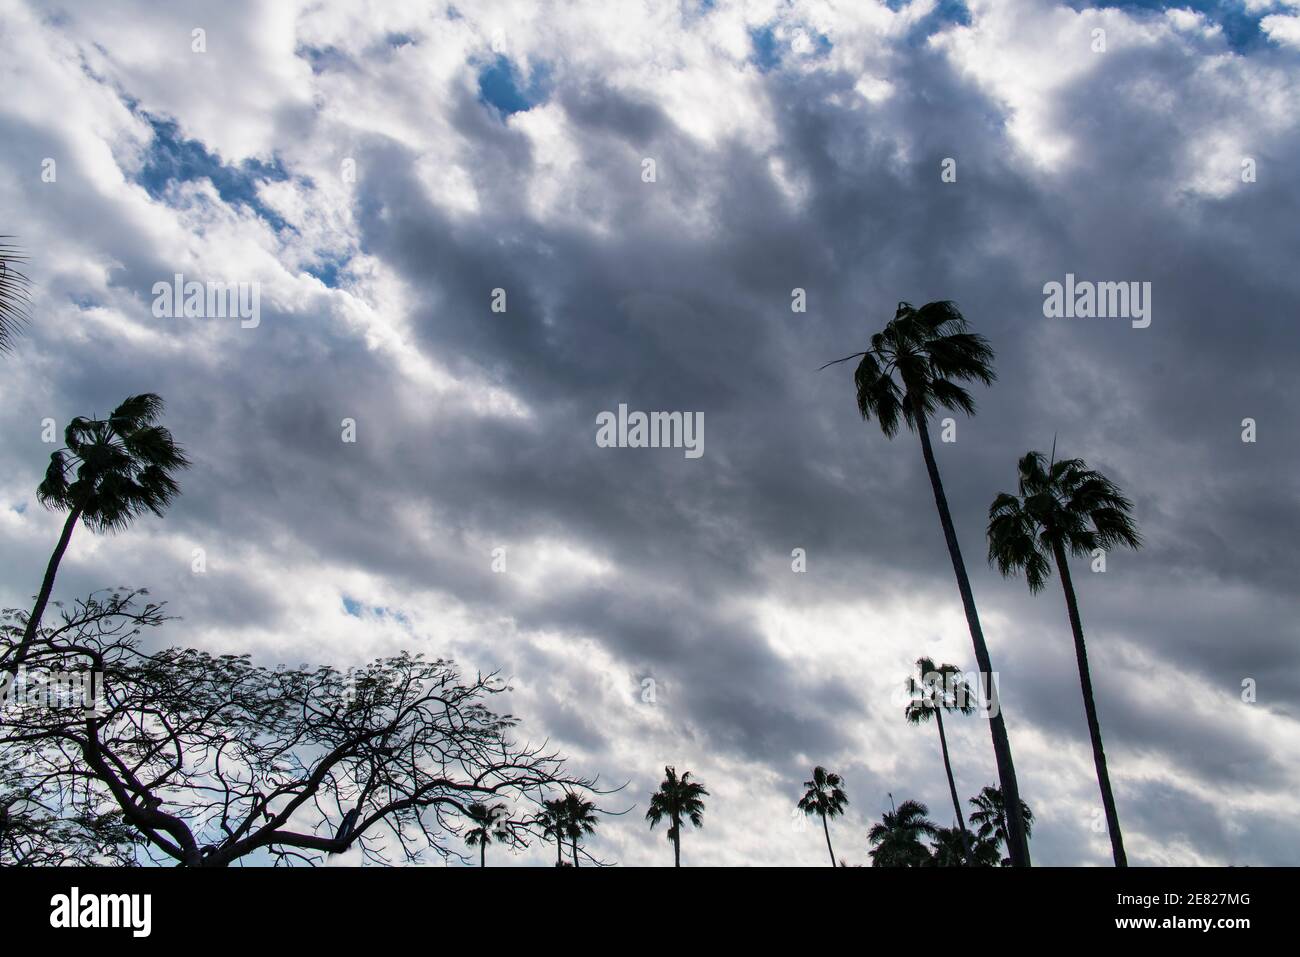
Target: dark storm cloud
x,y
684,303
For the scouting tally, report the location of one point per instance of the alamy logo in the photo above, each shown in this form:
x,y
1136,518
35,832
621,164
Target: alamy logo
x,y
975,689
103,910
1098,300
651,430
179,299
53,689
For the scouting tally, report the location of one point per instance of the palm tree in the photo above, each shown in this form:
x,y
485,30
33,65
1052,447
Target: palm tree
x,y
553,819
579,819
939,689
677,800
913,367
14,297
953,847
120,467
1064,508
896,840
489,825
990,818
825,796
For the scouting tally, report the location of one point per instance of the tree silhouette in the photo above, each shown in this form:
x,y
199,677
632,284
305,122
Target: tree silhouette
x,y
208,759
120,467
825,797
579,819
15,299
896,840
489,825
1064,508
553,821
913,367
990,818
677,800
937,689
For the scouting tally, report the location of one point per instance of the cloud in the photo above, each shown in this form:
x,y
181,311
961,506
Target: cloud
x,y
358,168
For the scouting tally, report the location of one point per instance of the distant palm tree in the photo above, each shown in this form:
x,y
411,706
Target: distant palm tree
x,y
112,470
579,819
1064,508
990,818
914,366
489,825
939,688
553,819
14,296
896,840
677,800
952,847
825,796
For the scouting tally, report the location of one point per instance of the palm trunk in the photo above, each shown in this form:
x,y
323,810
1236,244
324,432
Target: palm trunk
x,y
47,586
966,842
559,851
677,845
1090,707
482,854
947,766
1017,844
826,828
575,852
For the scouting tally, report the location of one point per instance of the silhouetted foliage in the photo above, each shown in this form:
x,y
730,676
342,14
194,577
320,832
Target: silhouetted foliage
x,y
934,690
111,471
826,798
15,293
678,800
579,820
489,825
211,759
990,819
915,365
897,841
1062,509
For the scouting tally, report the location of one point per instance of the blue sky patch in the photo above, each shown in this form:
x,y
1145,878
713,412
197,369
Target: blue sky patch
x,y
174,159
1240,28
769,49
500,86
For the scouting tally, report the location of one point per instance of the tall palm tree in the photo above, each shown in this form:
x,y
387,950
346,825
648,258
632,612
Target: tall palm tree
x,y
990,818
111,471
488,826
579,819
14,296
677,800
896,840
914,366
825,796
939,688
1064,508
553,819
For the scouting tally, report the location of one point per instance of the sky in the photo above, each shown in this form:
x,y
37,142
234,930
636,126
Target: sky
x,y
385,174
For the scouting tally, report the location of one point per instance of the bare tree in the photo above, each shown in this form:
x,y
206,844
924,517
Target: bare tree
x,y
208,760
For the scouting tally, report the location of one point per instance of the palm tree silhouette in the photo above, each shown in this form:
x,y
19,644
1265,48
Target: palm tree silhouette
x,y
553,819
489,825
913,367
677,800
1064,507
939,689
14,296
120,467
579,819
896,840
990,818
825,796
